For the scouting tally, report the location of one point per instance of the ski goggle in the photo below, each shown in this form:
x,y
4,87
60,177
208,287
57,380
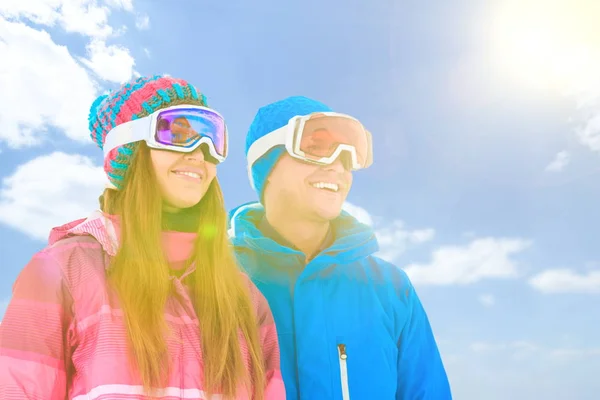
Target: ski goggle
x,y
319,138
181,128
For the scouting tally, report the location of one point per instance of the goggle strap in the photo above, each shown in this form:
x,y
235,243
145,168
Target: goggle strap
x,y
127,132
137,129
369,161
262,145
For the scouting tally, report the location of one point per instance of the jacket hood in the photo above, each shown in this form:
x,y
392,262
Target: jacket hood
x,y
101,226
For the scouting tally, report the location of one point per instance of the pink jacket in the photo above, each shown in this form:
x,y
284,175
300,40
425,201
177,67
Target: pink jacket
x,y
62,336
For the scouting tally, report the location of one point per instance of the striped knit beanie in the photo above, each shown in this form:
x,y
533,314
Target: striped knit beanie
x,y
135,99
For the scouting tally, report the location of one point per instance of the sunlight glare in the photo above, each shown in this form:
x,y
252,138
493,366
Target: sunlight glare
x,y
548,44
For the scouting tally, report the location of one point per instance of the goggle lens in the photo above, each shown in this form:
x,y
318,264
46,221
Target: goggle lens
x,y
185,127
322,135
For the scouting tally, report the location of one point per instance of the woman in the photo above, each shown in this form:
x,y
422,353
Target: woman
x,y
144,298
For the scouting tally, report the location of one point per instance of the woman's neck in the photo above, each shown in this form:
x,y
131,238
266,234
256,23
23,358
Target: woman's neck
x,y
181,220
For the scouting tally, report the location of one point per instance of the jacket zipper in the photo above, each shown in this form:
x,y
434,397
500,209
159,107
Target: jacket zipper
x,y
343,371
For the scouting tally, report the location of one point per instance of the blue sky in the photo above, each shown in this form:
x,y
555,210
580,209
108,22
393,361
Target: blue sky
x,y
486,121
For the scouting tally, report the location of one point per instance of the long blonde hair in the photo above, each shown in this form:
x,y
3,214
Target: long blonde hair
x,y
140,275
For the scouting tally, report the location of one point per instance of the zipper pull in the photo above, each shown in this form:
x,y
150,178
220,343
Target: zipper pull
x,y
342,351
344,371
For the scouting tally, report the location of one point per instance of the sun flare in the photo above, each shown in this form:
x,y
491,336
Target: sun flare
x,y
548,44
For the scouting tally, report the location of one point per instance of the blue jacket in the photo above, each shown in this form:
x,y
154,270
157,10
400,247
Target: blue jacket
x,y
350,324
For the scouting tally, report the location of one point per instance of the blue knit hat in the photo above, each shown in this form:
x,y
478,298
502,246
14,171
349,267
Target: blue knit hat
x,y
269,118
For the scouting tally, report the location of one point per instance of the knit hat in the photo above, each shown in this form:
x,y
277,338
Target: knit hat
x,y
135,99
269,118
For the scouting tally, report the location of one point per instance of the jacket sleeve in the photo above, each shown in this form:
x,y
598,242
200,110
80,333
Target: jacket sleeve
x,y
421,373
275,388
34,334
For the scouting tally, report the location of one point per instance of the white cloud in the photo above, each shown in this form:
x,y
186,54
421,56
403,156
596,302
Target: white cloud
x,y
484,258
487,300
561,160
589,133
142,22
359,213
112,63
126,5
47,86
44,12
566,281
586,91
86,17
48,191
393,237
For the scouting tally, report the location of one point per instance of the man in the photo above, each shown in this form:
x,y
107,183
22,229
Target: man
x,y
350,324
